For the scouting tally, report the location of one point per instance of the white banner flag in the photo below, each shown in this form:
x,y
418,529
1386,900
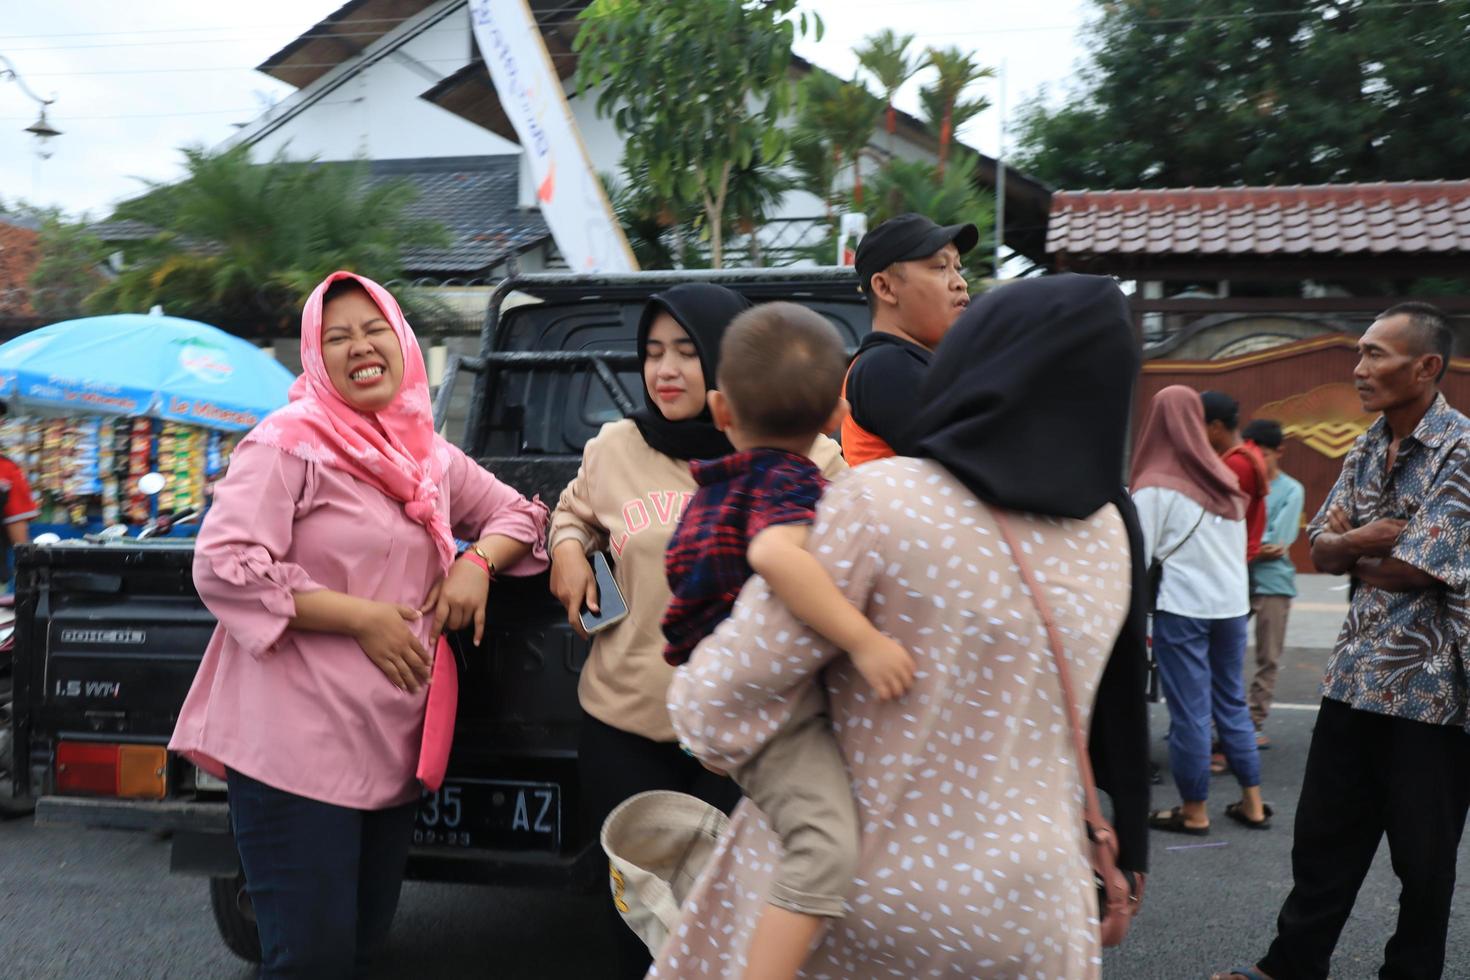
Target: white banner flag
x,y
572,199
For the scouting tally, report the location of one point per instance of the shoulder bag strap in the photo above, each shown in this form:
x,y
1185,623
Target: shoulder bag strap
x,y
1064,675
1184,540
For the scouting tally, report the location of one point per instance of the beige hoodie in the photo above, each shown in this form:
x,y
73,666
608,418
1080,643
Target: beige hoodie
x,y
627,499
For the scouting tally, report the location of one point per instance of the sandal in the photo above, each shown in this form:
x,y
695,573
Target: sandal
x,y
1173,822
1236,812
1247,972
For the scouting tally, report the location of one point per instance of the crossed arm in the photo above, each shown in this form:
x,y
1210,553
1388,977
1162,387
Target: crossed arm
x,y
1364,552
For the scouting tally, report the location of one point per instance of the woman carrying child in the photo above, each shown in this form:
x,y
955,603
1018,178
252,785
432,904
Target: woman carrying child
x,y
974,855
781,373
629,493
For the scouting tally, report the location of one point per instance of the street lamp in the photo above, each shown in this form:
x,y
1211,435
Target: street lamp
x,y
41,129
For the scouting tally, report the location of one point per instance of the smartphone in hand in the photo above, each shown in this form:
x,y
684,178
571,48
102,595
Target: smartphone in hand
x,y
614,609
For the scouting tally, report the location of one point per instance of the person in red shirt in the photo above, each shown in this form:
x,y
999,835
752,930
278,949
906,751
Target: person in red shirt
x,y
19,507
1222,424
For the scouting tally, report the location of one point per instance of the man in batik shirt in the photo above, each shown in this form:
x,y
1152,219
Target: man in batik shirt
x,y
1390,753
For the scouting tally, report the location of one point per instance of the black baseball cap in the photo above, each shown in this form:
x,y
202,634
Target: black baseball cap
x,y
905,238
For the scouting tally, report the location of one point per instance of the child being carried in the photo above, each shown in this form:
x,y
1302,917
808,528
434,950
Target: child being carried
x,y
779,388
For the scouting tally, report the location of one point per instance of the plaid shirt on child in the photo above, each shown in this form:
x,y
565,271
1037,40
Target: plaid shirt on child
x,y
739,496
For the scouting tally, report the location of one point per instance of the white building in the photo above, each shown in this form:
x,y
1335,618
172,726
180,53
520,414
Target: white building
x,y
401,84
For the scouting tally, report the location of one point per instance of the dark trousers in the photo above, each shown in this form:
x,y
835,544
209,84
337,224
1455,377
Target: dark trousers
x,y
1368,776
613,765
323,879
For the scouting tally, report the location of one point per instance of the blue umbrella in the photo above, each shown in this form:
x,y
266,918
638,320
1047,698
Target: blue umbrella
x,y
136,364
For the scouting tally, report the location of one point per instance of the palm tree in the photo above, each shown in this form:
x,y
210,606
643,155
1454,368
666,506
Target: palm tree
x,y
957,72
960,113
754,193
955,197
845,114
885,56
242,244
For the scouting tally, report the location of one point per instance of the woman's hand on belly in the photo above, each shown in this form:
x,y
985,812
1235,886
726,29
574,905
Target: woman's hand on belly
x,y
383,631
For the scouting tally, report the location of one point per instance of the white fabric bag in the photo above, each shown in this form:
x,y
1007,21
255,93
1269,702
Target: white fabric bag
x,y
657,844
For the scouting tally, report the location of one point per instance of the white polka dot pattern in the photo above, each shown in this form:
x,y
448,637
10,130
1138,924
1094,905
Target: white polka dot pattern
x,y
973,849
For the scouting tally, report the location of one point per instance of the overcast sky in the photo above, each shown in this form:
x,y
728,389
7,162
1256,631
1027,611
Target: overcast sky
x,y
135,81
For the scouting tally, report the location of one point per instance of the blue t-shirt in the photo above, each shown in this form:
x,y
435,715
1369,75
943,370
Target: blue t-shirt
x,y
1277,576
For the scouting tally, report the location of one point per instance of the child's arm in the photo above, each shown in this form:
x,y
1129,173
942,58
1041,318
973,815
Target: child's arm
x,y
778,554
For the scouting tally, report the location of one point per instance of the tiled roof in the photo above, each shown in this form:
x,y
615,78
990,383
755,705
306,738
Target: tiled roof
x,y
478,200
1333,219
123,230
475,198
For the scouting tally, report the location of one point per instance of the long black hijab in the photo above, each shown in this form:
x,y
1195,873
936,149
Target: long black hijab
x,y
1028,397
1027,403
704,310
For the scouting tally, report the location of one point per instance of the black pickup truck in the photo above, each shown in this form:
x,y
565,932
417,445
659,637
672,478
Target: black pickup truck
x,y
109,635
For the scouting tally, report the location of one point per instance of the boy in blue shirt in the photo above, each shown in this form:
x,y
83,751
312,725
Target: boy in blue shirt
x,y
1273,576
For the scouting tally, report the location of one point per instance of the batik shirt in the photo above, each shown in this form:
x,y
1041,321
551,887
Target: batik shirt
x,y
1403,653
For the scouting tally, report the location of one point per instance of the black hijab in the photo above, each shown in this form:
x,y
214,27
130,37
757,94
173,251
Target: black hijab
x,y
1028,397
1027,403
704,310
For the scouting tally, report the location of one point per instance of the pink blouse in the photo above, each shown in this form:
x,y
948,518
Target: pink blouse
x,y
304,712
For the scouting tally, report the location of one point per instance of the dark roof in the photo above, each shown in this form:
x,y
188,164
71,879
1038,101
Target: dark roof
x,y
477,199
123,230
1425,218
350,29
340,35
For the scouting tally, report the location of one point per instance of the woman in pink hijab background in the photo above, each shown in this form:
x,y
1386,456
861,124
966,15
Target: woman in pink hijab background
x,y
329,560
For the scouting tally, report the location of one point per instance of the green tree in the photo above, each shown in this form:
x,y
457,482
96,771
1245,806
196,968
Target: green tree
x,y
697,89
755,193
69,267
843,116
1237,92
945,99
949,198
242,244
885,55
649,221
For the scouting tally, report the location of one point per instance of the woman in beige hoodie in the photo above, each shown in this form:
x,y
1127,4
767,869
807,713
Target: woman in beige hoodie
x,y
632,487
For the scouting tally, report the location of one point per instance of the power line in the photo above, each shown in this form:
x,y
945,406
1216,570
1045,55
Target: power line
x,y
217,40
1162,22
389,22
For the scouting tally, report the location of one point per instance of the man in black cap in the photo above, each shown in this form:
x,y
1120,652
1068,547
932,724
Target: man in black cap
x,y
909,267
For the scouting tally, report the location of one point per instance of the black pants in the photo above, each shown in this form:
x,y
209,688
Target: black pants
x,y
613,765
1368,776
324,879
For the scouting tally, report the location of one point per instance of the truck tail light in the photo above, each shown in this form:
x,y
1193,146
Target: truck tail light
x,y
110,769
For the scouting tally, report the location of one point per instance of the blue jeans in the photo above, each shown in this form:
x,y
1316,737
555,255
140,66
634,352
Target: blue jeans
x,y
323,879
1200,663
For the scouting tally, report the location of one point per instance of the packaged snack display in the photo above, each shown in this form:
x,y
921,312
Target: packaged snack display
x,y
84,470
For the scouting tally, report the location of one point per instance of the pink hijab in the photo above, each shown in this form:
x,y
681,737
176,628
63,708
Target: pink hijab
x,y
400,455
1173,453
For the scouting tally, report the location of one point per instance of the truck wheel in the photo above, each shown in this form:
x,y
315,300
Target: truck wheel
x,y
234,917
10,804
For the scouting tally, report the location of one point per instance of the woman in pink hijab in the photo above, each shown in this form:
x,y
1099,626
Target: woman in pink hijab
x,y
1193,516
329,560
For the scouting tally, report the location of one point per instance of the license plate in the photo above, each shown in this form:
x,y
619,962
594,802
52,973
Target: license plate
x,y
497,814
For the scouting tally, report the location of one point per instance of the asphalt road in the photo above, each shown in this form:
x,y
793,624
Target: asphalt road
x,y
77,904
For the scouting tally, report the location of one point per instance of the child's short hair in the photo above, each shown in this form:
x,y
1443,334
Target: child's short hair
x,y
782,368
